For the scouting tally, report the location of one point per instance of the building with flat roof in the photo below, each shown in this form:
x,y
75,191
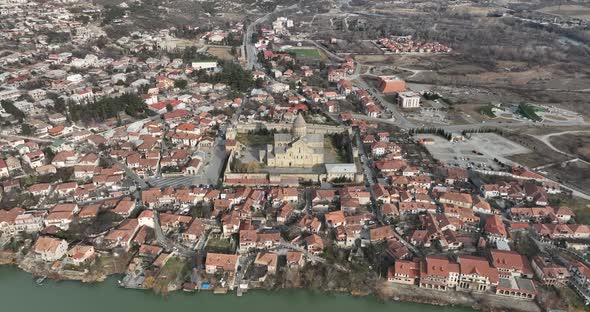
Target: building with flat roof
x,y
204,65
335,171
408,99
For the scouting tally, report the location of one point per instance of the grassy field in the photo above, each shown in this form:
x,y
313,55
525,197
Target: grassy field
x,y
487,111
332,155
573,300
574,173
307,53
254,139
540,153
218,244
319,118
529,111
221,53
172,270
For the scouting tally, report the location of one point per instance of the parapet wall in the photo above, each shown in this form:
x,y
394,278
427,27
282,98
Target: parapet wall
x,y
245,127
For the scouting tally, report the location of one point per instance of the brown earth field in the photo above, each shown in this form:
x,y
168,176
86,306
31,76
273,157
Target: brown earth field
x,y
507,82
572,10
541,154
222,53
574,143
573,173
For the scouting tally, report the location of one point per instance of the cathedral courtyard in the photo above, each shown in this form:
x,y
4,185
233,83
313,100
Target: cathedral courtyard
x,y
297,150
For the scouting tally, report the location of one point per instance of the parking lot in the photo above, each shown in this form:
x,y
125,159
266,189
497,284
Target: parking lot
x,y
212,160
479,151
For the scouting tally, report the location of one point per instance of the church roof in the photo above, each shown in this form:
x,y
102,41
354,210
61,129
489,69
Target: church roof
x,y
299,121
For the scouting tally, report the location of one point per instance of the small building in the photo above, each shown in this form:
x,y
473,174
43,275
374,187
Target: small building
x,y
49,248
550,273
204,65
391,84
404,272
81,254
408,99
340,171
221,262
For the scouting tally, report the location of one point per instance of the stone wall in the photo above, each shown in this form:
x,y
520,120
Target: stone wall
x,y
245,127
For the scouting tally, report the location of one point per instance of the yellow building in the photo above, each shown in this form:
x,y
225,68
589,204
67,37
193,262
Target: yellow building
x,y
297,149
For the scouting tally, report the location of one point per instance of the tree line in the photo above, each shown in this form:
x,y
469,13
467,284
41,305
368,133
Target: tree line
x,y
232,75
109,107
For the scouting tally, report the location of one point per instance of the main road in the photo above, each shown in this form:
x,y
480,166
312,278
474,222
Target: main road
x,y
401,120
248,46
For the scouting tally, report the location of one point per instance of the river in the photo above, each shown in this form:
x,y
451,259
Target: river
x,y
19,293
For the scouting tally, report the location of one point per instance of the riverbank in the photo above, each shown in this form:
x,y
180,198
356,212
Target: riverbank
x,y
100,297
385,292
85,276
7,258
481,302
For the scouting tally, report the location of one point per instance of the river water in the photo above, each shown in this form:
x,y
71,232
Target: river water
x,y
19,292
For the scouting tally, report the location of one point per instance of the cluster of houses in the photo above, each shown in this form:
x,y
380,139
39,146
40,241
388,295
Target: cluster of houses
x,y
220,36
453,234
30,22
406,44
440,230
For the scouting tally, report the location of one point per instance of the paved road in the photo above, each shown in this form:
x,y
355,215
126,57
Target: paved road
x,y
200,246
370,176
401,121
41,204
131,174
307,195
167,243
365,161
24,137
209,173
414,71
459,128
326,51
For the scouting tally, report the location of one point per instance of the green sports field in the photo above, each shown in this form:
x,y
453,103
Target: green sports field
x,y
307,53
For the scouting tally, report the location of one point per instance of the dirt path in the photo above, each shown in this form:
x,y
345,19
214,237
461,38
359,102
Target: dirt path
x,y
546,139
414,71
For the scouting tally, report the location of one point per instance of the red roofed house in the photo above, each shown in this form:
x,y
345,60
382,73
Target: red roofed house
x,y
476,274
494,229
438,273
404,272
391,84
3,169
49,248
80,254
549,273
510,263
457,199
160,107
580,279
221,262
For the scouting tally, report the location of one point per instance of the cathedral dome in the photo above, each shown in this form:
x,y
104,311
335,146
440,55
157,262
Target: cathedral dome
x,y
299,126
